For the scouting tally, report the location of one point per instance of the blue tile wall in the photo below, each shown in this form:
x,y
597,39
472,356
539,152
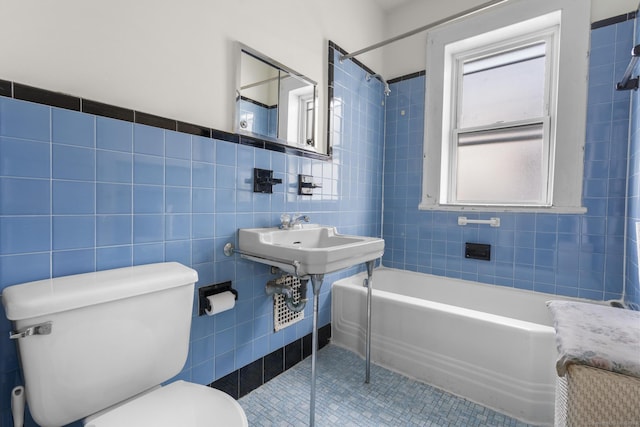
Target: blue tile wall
x,y
572,255
81,193
632,295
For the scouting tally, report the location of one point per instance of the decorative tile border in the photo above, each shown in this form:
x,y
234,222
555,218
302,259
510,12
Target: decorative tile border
x,y
69,102
408,77
614,20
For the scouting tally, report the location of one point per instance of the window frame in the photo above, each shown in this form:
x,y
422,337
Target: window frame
x,y
516,18
449,181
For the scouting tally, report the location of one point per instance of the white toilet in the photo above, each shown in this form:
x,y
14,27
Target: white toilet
x,y
97,346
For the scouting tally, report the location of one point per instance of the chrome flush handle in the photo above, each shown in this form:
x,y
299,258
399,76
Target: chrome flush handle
x,y
40,329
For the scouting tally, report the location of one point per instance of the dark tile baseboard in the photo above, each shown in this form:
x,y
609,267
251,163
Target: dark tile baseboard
x,y
255,374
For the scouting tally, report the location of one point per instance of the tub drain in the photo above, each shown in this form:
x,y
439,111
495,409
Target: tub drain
x,y
282,316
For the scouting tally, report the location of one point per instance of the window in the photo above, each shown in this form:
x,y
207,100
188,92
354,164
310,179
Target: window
x,y
306,118
301,111
499,140
502,132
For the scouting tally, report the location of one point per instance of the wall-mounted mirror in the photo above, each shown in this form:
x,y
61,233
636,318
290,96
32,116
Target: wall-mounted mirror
x,y
274,102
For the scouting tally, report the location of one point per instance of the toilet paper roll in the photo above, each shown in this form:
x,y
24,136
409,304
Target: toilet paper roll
x,y
221,302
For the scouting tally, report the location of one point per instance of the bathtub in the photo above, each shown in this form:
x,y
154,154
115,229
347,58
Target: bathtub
x,y
489,344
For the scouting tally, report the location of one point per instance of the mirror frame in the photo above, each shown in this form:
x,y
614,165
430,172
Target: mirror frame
x,y
244,49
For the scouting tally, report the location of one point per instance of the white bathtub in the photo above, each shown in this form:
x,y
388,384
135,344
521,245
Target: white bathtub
x,y
489,344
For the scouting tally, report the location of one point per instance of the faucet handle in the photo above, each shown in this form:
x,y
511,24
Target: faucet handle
x,y
285,220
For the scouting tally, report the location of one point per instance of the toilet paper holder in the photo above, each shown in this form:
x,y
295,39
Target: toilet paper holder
x,y
207,291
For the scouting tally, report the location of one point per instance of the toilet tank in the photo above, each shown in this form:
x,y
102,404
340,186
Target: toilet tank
x,y
113,334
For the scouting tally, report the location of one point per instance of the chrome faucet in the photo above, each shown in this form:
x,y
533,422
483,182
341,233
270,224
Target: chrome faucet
x,y
290,222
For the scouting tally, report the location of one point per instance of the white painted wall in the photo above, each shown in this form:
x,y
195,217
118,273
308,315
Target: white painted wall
x,y
409,55
174,58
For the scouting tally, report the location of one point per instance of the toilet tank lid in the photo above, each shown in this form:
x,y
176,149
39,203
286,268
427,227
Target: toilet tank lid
x,y
45,297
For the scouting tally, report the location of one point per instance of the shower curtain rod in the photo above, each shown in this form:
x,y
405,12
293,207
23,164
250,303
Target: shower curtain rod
x,y
437,23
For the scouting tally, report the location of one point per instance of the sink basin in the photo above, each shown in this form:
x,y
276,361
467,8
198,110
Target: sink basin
x,y
312,249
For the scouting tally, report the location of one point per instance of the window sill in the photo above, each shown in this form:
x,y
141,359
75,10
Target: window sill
x,y
515,209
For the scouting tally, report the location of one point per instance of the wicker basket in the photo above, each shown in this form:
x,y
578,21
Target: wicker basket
x,y
588,396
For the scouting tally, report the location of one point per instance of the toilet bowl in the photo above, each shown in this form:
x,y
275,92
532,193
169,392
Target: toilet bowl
x,y
180,404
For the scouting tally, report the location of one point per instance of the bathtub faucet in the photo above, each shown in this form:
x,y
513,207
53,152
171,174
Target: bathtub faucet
x,y
291,222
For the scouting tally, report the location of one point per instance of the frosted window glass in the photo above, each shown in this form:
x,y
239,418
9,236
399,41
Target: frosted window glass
x,y
500,165
506,91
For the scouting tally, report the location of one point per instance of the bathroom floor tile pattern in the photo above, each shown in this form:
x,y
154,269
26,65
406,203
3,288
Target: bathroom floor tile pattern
x,y
342,398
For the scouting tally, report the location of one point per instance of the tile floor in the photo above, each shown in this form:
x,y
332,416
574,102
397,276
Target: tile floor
x,y
342,398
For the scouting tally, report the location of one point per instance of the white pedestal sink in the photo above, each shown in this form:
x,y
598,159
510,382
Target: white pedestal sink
x,y
311,249
309,252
